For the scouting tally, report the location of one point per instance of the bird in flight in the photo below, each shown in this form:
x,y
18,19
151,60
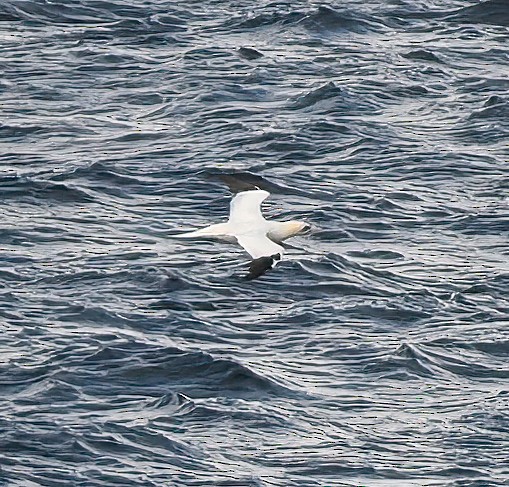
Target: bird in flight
x,y
246,225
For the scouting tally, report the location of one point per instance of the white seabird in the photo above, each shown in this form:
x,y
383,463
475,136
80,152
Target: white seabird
x,y
259,237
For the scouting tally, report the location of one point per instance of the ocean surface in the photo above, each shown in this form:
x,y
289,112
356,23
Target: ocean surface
x,y
375,354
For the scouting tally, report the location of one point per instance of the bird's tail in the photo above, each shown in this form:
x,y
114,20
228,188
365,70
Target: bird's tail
x,y
217,230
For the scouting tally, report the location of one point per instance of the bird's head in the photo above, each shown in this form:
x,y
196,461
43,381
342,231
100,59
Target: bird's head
x,y
283,230
306,227
298,228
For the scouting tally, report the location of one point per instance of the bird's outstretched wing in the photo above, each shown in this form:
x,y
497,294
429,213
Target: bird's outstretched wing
x,y
245,207
265,253
261,265
245,181
236,184
259,245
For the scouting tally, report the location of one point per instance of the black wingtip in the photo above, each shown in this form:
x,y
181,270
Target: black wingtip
x,y
260,266
235,184
244,181
249,53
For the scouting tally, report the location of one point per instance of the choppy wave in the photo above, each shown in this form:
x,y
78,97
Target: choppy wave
x,y
375,353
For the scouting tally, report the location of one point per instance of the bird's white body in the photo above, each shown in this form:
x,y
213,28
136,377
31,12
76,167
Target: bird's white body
x,y
247,226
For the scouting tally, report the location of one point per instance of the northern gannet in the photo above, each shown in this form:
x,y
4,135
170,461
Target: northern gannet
x,y
259,237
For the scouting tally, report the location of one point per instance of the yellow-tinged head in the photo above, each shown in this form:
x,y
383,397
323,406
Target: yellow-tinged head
x,y
282,230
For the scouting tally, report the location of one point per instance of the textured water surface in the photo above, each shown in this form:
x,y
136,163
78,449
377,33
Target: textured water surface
x,y
375,354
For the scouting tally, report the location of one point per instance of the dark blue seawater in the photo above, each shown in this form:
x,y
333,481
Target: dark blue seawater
x,y
375,354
